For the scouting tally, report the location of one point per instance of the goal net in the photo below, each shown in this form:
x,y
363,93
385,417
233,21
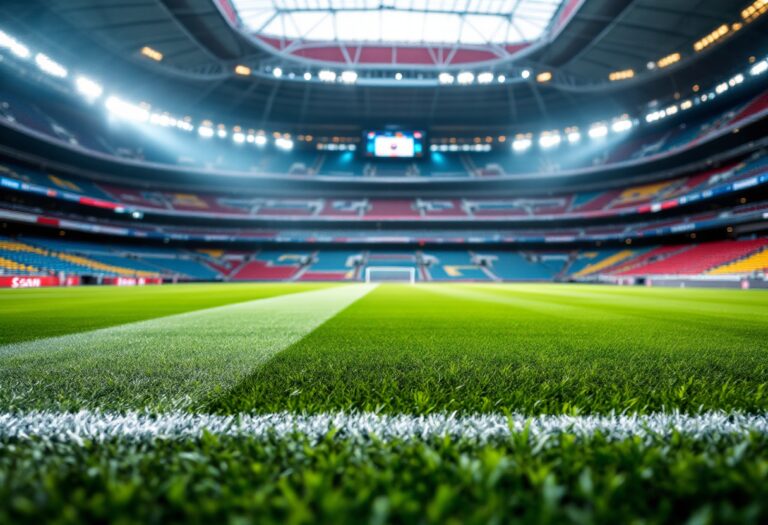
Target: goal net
x,y
390,274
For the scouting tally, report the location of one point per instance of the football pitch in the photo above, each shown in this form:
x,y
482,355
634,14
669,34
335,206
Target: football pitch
x,y
355,403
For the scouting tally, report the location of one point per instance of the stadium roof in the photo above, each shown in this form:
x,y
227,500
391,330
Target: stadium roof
x,y
204,43
400,21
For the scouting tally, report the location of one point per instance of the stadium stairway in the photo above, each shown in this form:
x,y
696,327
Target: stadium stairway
x,y
330,265
457,266
655,254
603,261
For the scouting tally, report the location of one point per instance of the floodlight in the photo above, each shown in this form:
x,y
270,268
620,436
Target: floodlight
x,y
759,68
521,143
598,131
284,144
49,66
621,125
16,47
326,75
349,77
549,140
277,72
88,88
465,77
127,110
445,78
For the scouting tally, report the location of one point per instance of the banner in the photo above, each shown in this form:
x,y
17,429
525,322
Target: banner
x,y
131,281
20,281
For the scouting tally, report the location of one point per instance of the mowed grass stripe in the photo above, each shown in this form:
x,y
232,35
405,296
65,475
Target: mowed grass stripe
x,y
171,362
442,348
47,312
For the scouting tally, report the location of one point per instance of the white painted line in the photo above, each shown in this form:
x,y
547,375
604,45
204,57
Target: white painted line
x,y
363,427
173,362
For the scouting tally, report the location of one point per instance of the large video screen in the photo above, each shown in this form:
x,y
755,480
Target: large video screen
x,y
394,144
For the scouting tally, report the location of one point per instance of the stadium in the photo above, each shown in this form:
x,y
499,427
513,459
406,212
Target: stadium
x,y
357,261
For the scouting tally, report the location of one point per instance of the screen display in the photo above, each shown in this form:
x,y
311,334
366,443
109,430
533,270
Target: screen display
x,y
394,144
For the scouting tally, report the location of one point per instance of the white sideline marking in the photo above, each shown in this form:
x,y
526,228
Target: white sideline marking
x,y
174,360
542,430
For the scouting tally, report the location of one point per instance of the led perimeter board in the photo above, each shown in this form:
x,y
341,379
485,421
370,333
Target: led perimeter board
x,y
394,144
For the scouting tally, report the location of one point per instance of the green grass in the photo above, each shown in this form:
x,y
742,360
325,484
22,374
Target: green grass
x,y
165,363
526,348
46,312
226,480
534,349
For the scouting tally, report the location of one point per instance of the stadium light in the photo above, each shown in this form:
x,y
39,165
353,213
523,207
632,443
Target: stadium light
x,y
163,120
485,78
669,60
221,132
348,77
624,74
242,70
759,68
284,144
398,76
465,77
621,125
653,116
598,131
501,79
445,78
549,140
49,66
521,143
671,110
238,137
736,80
307,76
127,110
526,74
574,136
185,124
721,88
544,77
13,45
88,88
260,140
150,53
277,72
327,75
205,131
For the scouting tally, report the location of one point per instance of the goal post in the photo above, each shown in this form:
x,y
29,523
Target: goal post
x,y
390,274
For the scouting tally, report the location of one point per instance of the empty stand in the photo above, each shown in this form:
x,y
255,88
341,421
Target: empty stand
x,y
756,262
697,259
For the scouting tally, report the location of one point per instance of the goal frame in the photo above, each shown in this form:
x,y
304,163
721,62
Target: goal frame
x,y
410,269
